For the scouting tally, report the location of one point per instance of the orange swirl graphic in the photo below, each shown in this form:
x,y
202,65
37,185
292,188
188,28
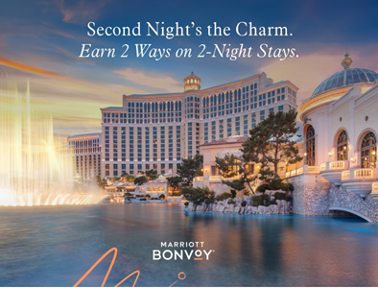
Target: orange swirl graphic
x,y
181,275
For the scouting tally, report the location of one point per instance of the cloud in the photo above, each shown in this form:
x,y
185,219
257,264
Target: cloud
x,y
81,11
162,82
27,68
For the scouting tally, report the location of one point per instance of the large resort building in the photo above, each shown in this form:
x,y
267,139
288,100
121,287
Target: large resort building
x,y
339,170
157,131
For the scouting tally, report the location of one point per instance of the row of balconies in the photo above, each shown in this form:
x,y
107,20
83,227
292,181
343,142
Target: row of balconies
x,y
359,180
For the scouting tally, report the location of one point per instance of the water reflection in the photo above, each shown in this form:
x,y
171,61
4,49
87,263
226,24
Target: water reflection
x,y
55,246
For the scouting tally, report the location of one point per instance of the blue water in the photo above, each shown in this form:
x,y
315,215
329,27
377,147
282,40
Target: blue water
x,y
55,246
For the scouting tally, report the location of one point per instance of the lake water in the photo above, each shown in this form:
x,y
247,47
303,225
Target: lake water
x,y
55,246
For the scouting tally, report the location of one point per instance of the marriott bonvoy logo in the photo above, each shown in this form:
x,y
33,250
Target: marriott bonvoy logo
x,y
182,251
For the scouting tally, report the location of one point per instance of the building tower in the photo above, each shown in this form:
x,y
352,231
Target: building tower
x,y
192,115
192,82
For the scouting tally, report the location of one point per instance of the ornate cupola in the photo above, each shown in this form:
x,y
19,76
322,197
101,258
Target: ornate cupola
x,y
346,61
192,82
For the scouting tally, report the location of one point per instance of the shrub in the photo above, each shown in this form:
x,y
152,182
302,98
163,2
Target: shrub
x,y
262,188
287,187
243,203
224,196
130,178
186,203
198,195
140,180
148,196
261,200
279,196
247,192
231,201
233,193
257,200
282,196
162,197
275,184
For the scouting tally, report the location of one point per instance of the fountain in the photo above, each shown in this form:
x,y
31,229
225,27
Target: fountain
x,y
31,172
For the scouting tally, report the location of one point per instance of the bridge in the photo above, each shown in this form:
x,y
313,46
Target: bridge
x,y
326,189
341,199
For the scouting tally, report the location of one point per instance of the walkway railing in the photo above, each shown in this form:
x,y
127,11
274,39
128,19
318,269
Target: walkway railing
x,y
360,173
334,165
374,189
215,178
219,178
302,170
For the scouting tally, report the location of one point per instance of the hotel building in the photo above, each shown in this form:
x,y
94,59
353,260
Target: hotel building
x,y
157,131
86,152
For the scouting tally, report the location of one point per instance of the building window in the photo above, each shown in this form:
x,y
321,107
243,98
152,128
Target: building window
x,y
369,151
342,146
310,146
214,171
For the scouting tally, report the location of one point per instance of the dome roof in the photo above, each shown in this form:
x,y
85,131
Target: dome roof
x,y
346,77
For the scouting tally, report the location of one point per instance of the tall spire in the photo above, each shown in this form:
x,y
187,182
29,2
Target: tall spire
x,y
346,61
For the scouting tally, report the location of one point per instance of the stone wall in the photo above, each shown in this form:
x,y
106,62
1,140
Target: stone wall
x,y
310,196
282,206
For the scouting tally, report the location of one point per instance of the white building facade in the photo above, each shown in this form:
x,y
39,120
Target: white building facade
x,y
340,123
157,131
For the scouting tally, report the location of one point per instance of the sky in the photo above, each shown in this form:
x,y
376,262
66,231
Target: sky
x,y
41,40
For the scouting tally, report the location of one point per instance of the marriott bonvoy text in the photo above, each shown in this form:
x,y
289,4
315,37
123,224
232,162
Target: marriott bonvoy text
x,y
182,251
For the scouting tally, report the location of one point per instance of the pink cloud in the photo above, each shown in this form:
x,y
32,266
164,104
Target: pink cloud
x,y
81,11
159,81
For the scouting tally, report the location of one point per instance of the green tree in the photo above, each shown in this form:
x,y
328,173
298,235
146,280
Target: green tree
x,y
130,178
198,195
224,196
174,182
272,142
151,174
232,166
101,182
140,180
188,169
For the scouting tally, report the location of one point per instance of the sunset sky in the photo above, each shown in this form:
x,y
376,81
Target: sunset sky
x,y
40,41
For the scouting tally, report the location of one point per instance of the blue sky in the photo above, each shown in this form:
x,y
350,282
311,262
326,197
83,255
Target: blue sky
x,y
47,36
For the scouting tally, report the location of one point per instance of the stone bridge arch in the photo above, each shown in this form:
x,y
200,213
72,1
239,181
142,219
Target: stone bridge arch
x,y
343,200
350,211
